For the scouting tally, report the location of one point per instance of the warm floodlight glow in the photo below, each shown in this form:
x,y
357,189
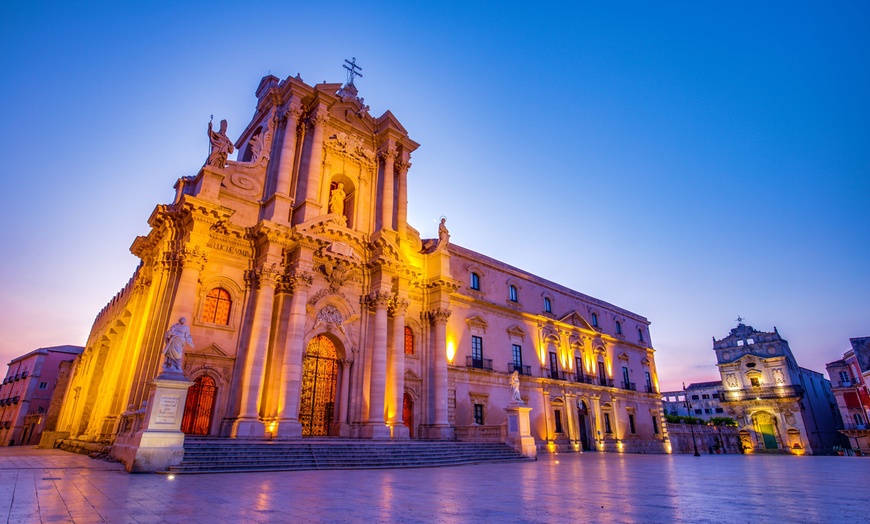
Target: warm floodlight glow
x,y
451,350
170,477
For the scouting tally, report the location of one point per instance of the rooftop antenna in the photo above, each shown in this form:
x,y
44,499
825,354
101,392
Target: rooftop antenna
x,y
351,67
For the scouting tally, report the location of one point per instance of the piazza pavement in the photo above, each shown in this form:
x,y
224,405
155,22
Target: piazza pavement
x,y
55,486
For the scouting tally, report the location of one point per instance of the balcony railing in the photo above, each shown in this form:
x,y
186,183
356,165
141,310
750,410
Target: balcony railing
x,y
519,368
603,381
582,378
649,389
856,427
630,386
479,363
762,393
845,383
555,375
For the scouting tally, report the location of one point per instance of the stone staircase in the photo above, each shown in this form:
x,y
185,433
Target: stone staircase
x,y
225,455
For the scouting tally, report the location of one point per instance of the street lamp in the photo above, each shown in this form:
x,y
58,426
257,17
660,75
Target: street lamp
x,y
691,426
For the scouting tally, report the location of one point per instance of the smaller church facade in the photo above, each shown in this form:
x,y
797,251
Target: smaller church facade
x,y
778,405
315,309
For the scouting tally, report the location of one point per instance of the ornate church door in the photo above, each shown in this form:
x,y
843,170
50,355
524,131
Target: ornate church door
x,y
768,436
199,406
319,377
408,413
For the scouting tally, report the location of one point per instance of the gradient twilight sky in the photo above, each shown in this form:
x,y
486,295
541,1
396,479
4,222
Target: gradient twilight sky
x,y
687,161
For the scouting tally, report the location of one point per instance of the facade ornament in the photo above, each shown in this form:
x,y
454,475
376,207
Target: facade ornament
x,y
443,235
336,200
388,154
399,305
221,146
337,274
378,299
298,279
515,388
318,117
330,315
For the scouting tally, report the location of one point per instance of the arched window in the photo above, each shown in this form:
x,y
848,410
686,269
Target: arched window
x,y
618,328
475,281
409,341
594,320
216,309
548,306
512,293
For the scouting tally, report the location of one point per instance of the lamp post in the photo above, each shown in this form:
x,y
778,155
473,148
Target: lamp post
x,y
691,426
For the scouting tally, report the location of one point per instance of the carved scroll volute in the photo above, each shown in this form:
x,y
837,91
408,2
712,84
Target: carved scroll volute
x,y
439,315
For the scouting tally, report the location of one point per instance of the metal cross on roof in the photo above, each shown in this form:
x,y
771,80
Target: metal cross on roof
x,y
740,319
351,67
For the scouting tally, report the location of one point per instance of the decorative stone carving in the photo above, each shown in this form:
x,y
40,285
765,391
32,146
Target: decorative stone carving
x,y
515,388
330,315
337,274
221,146
378,299
399,305
443,235
336,199
298,279
731,380
340,248
439,315
777,377
176,338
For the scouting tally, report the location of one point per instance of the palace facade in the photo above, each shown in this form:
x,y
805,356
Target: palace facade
x,y
317,310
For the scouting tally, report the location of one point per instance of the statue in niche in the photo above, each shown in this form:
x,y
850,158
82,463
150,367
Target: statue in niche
x,y
176,338
221,146
336,200
443,234
515,388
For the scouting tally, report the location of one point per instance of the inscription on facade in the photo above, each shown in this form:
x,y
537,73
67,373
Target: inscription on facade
x,y
167,410
226,248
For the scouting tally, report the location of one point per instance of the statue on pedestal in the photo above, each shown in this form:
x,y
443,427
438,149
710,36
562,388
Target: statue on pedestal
x,y
176,338
443,234
336,200
515,387
221,146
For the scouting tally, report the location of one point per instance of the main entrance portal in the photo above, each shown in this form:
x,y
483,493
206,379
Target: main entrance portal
x,y
319,377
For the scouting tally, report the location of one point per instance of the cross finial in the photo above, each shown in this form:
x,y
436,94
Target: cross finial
x,y
739,319
351,67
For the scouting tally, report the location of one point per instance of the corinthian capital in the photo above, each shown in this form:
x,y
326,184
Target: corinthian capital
x,y
266,275
403,166
318,117
378,299
439,315
399,305
298,280
388,154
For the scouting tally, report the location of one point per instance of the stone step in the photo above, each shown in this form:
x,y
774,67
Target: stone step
x,y
213,455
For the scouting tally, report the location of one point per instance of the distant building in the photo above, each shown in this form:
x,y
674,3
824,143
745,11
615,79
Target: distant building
x,y
850,377
703,400
26,392
778,405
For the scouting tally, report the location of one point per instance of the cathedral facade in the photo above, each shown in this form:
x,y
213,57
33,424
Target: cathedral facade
x,y
315,309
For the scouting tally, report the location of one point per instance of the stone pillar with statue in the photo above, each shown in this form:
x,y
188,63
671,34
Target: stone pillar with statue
x,y
151,439
519,429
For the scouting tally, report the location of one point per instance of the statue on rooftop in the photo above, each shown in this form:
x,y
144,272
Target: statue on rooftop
x,y
443,234
221,146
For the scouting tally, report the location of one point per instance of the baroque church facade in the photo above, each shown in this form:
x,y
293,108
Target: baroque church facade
x,y
315,309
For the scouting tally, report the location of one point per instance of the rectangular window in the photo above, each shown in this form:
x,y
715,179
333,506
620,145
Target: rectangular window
x,y
518,357
631,424
715,395
477,348
655,425
607,428
578,368
625,376
43,385
558,417
602,375
512,293
554,365
698,412
705,396
720,410
707,411
755,381
648,378
695,397
475,281
478,414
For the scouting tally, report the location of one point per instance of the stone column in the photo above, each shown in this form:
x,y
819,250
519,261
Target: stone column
x,y
402,220
375,428
344,398
571,419
596,422
615,419
193,260
291,368
396,371
388,156
439,318
278,205
248,423
310,207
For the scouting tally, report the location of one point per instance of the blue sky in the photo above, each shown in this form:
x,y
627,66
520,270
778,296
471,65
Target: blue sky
x,y
686,161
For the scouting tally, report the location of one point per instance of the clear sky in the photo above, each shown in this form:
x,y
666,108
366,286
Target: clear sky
x,y
688,161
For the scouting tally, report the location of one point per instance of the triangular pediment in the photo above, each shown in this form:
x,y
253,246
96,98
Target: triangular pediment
x,y
476,321
575,319
212,350
516,331
410,375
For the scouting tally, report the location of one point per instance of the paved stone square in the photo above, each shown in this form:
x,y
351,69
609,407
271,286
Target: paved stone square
x,y
54,486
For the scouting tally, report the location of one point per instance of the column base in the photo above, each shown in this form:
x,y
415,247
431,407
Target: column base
x,y
400,432
248,427
277,209
375,431
288,429
439,433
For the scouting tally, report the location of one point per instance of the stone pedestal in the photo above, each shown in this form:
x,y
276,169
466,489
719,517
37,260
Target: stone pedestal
x,y
288,429
400,432
158,442
250,427
519,435
439,432
375,431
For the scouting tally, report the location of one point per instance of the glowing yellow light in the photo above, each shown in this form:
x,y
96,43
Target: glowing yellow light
x,y
451,350
551,447
620,447
668,448
170,477
576,446
557,462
